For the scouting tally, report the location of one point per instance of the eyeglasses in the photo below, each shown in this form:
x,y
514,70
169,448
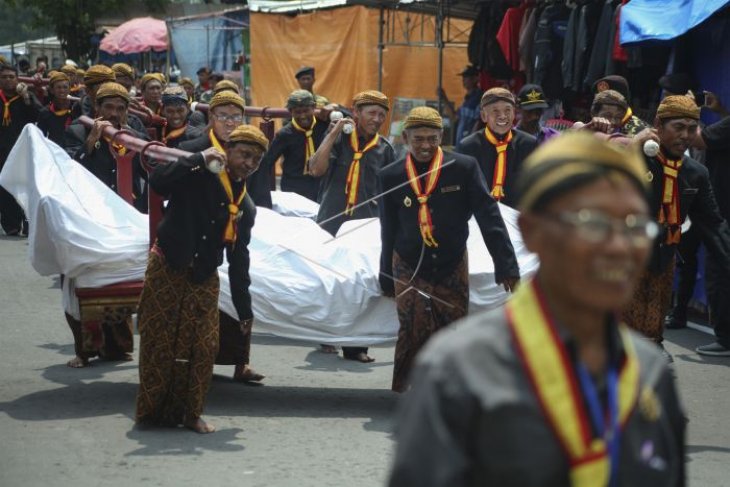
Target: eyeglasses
x,y
596,227
229,118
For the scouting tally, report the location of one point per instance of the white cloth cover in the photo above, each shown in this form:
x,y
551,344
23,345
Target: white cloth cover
x,y
305,284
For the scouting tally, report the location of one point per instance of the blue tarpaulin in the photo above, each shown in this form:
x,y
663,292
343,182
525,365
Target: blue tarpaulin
x,y
661,20
212,41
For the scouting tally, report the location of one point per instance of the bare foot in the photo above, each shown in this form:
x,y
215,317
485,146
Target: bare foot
x,y
77,362
245,373
327,348
361,357
199,426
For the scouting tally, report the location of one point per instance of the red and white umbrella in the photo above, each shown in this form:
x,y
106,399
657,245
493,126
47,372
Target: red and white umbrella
x,y
138,35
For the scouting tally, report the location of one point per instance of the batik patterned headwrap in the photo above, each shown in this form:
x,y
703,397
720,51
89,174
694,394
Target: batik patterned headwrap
x,y
678,106
227,98
98,74
494,95
423,117
370,97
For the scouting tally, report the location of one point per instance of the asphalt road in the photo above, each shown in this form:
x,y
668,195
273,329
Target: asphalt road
x,y
317,421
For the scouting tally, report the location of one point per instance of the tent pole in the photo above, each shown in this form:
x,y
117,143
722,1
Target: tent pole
x,y
380,48
169,49
440,43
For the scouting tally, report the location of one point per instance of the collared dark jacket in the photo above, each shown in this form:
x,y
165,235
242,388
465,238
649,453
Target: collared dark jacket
x,y
459,194
20,115
101,162
53,126
258,183
191,231
696,201
477,146
189,134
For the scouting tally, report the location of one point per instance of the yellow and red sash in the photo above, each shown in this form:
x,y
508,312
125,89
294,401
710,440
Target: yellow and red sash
x,y
172,134
61,113
214,142
353,175
500,169
6,107
157,111
627,116
231,231
555,384
308,140
669,210
115,147
424,215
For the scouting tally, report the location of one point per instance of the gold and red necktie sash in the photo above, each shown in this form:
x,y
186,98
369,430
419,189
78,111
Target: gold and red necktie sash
x,y
115,147
627,116
353,175
230,234
669,211
500,168
214,142
6,107
61,113
172,134
555,383
424,214
308,140
231,231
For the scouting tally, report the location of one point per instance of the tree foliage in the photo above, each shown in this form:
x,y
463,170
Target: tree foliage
x,y
74,21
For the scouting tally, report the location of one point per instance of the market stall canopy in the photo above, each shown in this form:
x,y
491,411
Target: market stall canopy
x,y
138,35
659,20
465,9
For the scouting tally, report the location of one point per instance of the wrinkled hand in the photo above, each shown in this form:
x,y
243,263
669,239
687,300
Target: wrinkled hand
x,y
599,124
22,90
713,102
215,161
510,284
337,126
646,134
98,129
324,113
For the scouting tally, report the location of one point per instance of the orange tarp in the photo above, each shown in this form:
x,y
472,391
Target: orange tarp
x,y
342,45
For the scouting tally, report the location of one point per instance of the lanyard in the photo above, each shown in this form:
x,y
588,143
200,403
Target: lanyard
x,y
609,432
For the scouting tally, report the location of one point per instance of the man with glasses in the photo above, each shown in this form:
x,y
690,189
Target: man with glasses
x,y
424,217
550,389
226,114
681,190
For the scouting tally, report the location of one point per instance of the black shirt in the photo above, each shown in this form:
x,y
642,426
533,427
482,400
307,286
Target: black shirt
x,y
477,146
290,143
190,133
54,126
101,163
459,194
333,198
191,231
717,159
20,115
258,183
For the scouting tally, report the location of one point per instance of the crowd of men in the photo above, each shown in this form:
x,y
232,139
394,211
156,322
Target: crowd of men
x,y
599,198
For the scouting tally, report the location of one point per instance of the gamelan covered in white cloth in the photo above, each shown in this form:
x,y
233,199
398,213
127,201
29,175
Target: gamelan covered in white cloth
x,y
305,284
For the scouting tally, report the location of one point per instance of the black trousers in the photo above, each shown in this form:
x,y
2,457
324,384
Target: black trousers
x,y
11,214
687,272
352,352
718,290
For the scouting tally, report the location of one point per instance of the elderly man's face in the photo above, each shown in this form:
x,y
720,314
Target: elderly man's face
x,y
242,159
152,92
303,116
613,113
499,116
8,81
113,109
422,142
597,274
176,114
306,82
369,119
676,135
60,90
225,119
